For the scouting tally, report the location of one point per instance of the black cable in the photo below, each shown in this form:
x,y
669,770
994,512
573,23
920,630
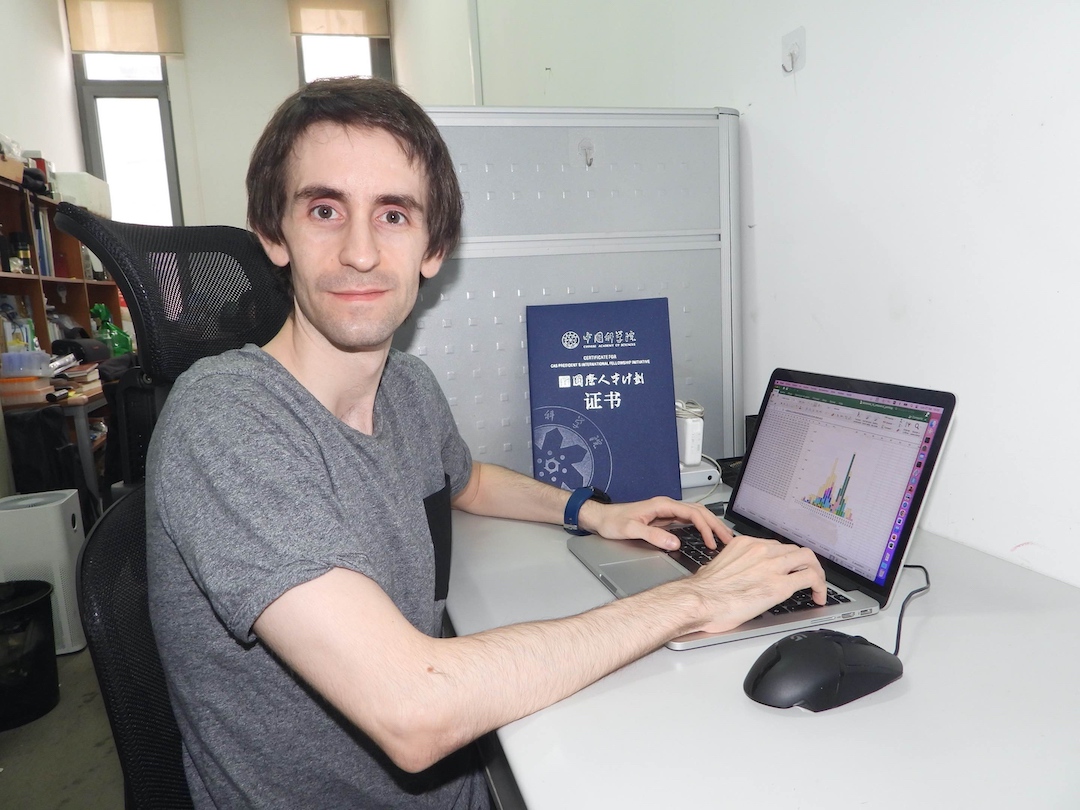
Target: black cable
x,y
908,598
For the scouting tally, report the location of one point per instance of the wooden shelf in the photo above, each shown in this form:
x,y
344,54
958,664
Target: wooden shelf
x,y
66,289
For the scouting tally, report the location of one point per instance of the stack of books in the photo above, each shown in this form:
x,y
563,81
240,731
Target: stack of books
x,y
41,381
76,381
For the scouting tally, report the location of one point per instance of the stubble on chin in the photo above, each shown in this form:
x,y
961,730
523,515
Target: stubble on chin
x,y
354,331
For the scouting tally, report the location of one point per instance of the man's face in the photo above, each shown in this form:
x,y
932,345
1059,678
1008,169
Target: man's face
x,y
355,233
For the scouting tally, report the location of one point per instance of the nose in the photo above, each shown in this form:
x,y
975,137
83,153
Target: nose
x,y
360,250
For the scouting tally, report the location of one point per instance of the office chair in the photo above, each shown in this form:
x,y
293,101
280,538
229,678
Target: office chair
x,y
192,292
111,591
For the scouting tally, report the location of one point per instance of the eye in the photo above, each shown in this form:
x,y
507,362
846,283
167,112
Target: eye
x,y
323,212
394,218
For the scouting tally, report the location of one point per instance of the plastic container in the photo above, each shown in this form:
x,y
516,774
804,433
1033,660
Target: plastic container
x,y
25,364
29,681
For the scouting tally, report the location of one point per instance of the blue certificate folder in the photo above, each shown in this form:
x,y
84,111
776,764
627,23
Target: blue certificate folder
x,y
603,397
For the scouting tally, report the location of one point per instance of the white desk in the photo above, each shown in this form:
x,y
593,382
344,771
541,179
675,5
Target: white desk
x,y
987,714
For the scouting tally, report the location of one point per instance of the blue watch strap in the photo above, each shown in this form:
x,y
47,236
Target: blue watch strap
x,y
573,506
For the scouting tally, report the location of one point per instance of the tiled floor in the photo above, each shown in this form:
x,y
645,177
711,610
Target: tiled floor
x,y
65,759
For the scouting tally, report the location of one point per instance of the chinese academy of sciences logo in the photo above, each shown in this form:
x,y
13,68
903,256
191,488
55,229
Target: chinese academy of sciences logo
x,y
569,450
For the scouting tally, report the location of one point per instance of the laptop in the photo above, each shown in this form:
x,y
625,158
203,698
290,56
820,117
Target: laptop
x,y
837,465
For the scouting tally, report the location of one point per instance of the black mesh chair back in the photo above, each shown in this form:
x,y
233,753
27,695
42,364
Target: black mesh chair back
x,y
192,292
111,588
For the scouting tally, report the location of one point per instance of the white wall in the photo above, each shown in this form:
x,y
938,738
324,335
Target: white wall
x,y
37,93
239,64
433,57
908,208
604,53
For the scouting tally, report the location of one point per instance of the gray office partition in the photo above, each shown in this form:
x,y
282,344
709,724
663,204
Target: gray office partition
x,y
566,206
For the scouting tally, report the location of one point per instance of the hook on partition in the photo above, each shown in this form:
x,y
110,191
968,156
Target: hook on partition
x,y
793,57
793,51
587,150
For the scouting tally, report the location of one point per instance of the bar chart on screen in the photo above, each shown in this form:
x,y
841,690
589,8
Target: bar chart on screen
x,y
831,499
846,481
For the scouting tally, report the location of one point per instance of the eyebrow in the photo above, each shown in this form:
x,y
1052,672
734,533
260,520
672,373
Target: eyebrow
x,y
314,192
406,201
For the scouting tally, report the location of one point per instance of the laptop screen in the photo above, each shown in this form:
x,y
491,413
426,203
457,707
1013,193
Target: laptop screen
x,y
841,467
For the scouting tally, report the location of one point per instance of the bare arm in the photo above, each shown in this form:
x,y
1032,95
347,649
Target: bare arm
x,y
420,698
498,492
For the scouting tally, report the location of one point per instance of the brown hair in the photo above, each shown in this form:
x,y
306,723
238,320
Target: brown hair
x,y
364,103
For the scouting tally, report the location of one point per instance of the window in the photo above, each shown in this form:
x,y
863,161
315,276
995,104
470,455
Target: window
x,y
128,135
328,57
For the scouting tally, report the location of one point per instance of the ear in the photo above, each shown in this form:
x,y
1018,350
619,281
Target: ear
x,y
278,252
430,267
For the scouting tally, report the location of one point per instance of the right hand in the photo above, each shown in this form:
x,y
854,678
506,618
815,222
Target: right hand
x,y
751,576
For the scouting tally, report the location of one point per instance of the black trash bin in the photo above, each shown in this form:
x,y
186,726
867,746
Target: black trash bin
x,y
29,683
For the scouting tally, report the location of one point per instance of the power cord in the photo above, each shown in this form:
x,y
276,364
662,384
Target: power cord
x,y
689,407
904,604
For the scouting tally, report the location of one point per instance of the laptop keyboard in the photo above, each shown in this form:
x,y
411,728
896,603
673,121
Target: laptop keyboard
x,y
692,547
694,551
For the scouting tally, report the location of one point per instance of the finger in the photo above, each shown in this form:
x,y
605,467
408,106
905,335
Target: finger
x,y
720,529
655,535
811,574
807,578
708,526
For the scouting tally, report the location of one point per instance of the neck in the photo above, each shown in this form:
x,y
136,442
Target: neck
x,y
345,382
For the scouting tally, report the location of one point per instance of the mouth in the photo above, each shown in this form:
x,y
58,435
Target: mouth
x,y
358,295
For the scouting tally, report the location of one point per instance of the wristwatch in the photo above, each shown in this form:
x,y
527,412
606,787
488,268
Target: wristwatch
x,y
573,506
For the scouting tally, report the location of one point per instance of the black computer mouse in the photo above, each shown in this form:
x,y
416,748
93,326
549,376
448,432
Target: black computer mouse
x,y
820,669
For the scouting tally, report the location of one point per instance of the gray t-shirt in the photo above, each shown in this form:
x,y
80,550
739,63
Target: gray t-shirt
x,y
253,487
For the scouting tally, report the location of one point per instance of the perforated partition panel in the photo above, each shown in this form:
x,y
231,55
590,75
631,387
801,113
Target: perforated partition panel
x,y
566,206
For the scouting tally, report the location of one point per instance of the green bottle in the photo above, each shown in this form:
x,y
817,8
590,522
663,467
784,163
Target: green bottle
x,y
109,333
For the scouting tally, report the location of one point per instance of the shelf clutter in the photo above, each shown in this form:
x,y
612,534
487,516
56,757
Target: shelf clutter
x,y
51,286
49,282
36,378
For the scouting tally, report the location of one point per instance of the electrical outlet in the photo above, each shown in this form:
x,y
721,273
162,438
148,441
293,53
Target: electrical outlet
x,y
793,51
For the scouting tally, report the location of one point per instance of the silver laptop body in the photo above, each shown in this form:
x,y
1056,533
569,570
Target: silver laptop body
x,y
838,465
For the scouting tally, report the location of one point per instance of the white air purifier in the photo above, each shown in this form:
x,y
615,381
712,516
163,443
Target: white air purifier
x,y
41,535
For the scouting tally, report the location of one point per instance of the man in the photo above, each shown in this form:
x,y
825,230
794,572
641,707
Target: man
x,y
292,569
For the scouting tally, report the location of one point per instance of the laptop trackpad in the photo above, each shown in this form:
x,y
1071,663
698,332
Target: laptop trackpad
x,y
634,576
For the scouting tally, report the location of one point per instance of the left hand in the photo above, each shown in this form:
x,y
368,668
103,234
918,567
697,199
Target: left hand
x,y
644,520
